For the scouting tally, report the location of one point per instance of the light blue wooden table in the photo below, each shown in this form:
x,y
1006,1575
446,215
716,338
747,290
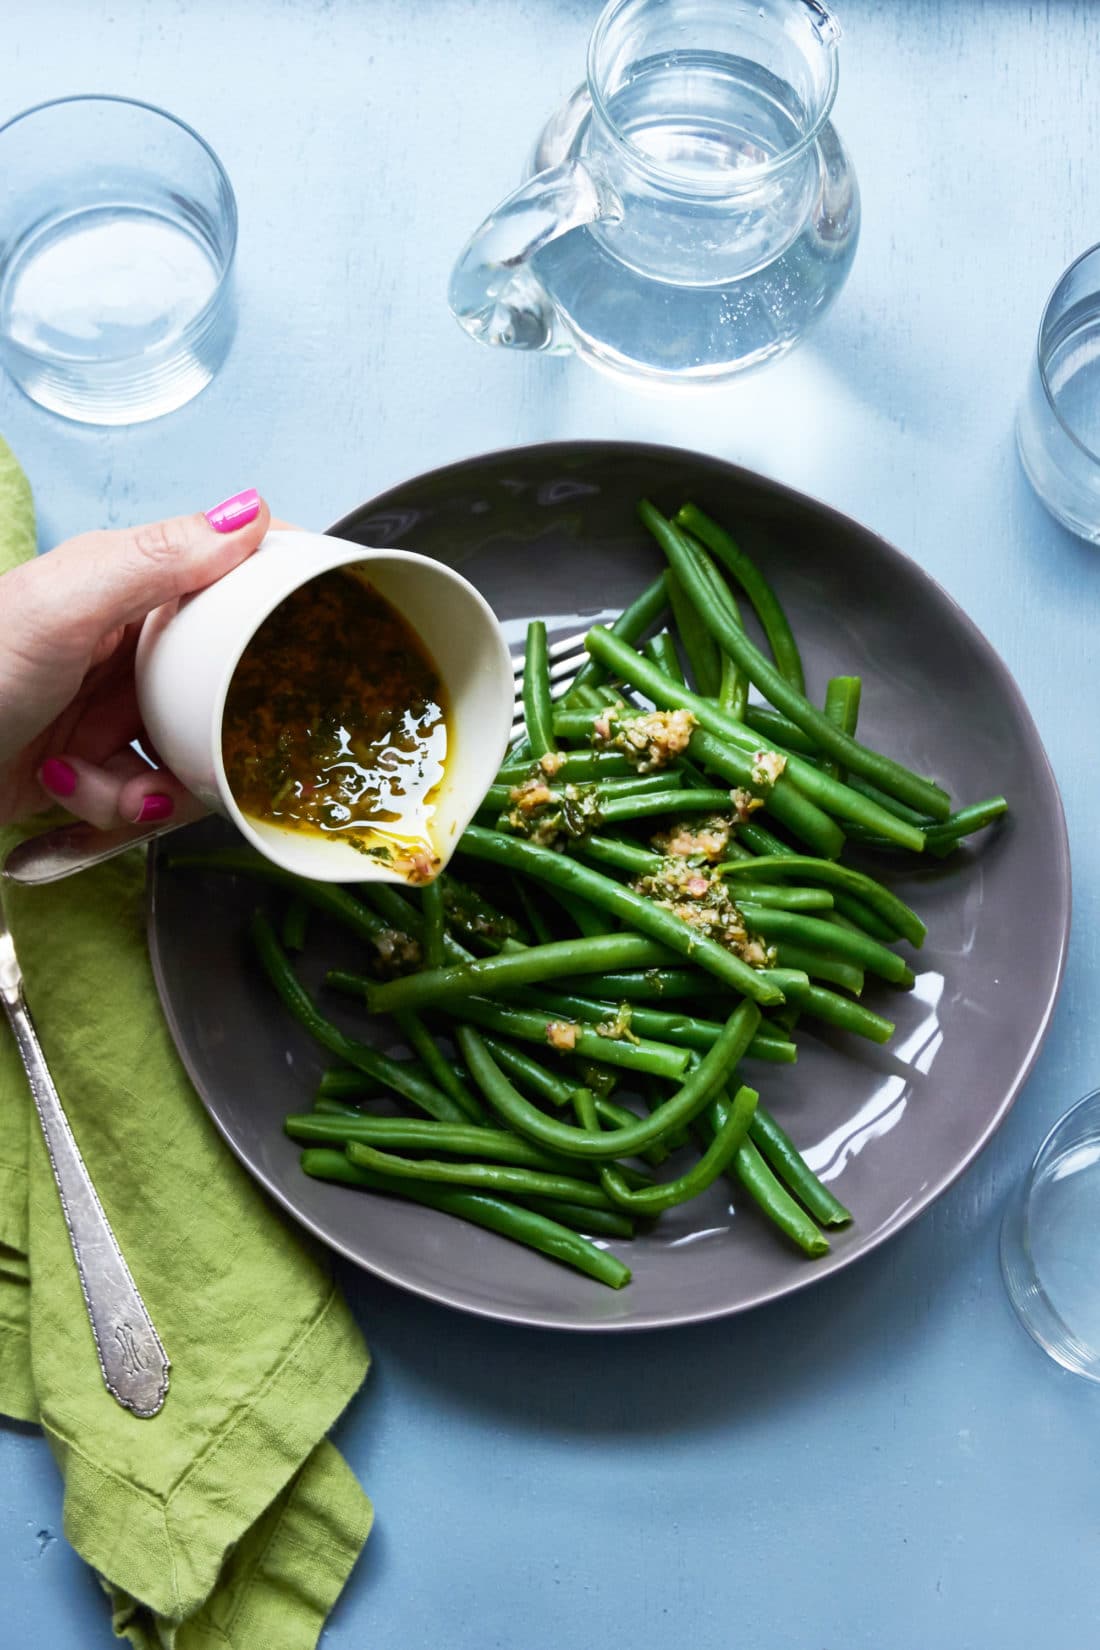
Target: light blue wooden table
x,y
884,1463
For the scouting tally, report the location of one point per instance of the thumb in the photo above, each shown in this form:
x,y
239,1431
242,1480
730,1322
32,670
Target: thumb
x,y
100,582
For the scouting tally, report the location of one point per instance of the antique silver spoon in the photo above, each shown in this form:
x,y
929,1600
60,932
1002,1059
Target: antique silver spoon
x,y
133,1361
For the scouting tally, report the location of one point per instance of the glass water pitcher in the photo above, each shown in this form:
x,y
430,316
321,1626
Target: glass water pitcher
x,y
690,211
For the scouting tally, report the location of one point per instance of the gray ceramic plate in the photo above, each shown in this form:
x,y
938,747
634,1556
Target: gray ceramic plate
x,y
549,531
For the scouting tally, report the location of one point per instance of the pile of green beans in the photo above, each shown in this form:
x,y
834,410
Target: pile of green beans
x,y
689,910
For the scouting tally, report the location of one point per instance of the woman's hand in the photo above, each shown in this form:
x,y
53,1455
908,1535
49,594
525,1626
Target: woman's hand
x,y
69,624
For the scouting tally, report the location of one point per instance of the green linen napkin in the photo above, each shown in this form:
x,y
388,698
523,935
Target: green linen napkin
x,y
229,1520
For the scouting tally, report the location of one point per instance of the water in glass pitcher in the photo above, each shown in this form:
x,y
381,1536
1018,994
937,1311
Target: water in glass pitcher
x,y
729,267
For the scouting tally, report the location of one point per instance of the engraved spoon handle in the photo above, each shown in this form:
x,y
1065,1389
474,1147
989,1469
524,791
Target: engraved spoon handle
x,y
134,1363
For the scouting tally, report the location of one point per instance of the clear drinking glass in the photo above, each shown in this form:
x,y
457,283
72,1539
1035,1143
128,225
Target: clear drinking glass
x,y
118,228
1050,1242
1058,424
692,210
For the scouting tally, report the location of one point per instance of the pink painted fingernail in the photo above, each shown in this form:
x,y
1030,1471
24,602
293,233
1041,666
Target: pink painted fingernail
x,y
57,777
155,806
235,512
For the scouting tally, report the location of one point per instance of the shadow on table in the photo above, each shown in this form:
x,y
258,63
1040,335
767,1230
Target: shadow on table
x,y
652,1382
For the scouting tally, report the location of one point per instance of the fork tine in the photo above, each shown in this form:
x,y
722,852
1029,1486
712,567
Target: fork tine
x,y
566,666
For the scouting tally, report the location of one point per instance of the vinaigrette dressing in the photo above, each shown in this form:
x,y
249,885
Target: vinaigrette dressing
x,y
335,723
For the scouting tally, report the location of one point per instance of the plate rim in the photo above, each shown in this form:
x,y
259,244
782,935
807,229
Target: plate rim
x,y
803,1277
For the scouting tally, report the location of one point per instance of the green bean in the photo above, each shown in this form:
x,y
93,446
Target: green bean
x,y
773,1199
688,982
486,976
395,1074
682,1030
651,1200
632,623
324,896
582,694
945,837
650,985
763,843
467,909
669,984
295,923
615,810
733,692
560,1093
592,923
438,1067
702,650
519,1064
813,785
419,1134
733,685
668,779
673,1114
403,918
614,1116
431,905
529,1026
486,1177
624,856
348,984
323,1106
777,729
785,899
835,1010
576,767
342,1083
608,895
815,935
661,651
785,799
499,796
894,912
791,1167
765,602
535,919
842,695
537,711
819,966
686,560
526,1226
606,1223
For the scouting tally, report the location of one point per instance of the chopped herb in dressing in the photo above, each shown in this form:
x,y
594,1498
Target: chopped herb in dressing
x,y
335,723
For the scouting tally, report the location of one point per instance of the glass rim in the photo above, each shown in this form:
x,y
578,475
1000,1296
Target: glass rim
x,y
201,316
750,176
1056,1128
1063,423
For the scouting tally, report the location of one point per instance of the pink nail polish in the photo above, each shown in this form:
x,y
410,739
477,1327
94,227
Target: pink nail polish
x,y
57,777
235,512
155,806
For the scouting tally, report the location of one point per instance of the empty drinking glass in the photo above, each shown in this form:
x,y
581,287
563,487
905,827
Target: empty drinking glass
x,y
118,228
1050,1242
1058,424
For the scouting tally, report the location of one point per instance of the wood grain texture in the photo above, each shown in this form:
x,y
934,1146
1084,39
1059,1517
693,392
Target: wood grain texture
x,y
885,1463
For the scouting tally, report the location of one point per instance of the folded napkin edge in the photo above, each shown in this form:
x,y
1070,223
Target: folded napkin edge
x,y
240,1477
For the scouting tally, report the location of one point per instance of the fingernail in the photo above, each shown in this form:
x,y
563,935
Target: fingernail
x,y
235,512
57,777
155,806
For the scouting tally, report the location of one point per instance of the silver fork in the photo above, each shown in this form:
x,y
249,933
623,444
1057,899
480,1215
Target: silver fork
x,y
71,848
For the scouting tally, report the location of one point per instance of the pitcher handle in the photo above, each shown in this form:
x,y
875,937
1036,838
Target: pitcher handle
x,y
494,293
